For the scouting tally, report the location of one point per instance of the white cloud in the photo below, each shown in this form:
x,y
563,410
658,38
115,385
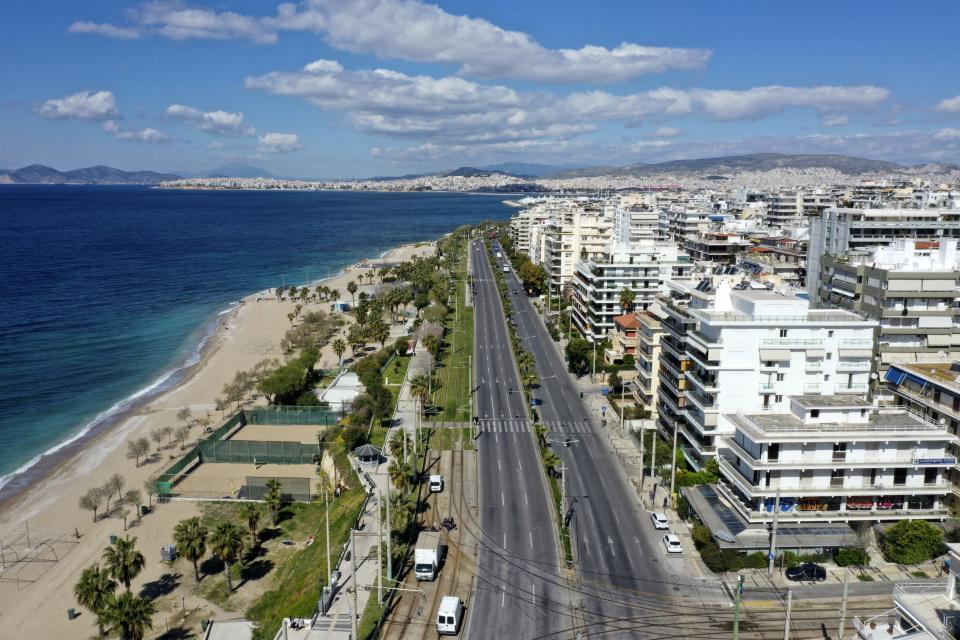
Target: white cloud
x,y
221,123
144,135
949,105
216,145
835,121
84,105
279,142
104,29
410,30
455,111
664,132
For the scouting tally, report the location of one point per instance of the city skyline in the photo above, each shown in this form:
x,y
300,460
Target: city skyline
x,y
355,89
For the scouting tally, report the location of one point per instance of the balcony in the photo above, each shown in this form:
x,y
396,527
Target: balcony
x,y
790,342
814,365
859,365
851,388
812,388
708,385
927,604
699,401
767,387
837,461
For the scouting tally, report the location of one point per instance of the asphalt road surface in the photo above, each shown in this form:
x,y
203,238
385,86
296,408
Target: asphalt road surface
x,y
629,586
520,592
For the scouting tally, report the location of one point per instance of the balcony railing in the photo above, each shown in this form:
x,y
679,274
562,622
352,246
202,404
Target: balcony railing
x,y
853,366
813,316
811,388
851,342
790,342
851,388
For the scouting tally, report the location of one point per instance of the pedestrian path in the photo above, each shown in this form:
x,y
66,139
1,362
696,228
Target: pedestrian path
x,y
495,425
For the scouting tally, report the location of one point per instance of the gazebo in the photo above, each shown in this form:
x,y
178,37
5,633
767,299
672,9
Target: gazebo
x,y
368,455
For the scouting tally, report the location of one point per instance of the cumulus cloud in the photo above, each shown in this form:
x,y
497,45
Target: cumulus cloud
x,y
664,132
83,105
453,110
279,142
949,105
410,30
835,121
144,135
221,123
104,29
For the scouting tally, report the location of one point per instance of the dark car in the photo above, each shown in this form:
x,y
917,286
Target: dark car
x,y
809,572
432,410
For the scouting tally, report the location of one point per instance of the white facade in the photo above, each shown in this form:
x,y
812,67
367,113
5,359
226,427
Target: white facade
x,y
753,349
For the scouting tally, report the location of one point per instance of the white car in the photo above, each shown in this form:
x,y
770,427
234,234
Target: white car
x,y
660,520
672,543
436,483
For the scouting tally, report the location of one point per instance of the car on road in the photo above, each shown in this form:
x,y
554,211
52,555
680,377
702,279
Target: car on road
x,y
672,543
432,410
449,616
807,572
659,520
436,483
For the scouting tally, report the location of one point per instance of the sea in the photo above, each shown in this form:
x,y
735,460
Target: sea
x,y
108,294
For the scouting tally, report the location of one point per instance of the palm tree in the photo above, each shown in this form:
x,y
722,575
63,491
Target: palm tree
x,y
122,560
226,542
541,432
352,289
251,512
273,498
191,538
399,472
339,346
550,461
627,296
397,441
95,592
130,617
420,387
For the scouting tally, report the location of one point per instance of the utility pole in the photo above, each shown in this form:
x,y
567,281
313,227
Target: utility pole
x,y
379,552
470,367
786,622
653,462
643,472
326,513
353,574
843,606
593,376
736,612
772,556
673,464
563,492
389,535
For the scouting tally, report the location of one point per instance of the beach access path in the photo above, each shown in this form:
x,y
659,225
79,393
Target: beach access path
x,y
50,509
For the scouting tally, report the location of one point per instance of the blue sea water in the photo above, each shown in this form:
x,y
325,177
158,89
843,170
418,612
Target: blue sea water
x,y
107,292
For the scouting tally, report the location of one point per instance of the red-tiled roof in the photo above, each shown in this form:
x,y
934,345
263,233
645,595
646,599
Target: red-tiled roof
x,y
627,321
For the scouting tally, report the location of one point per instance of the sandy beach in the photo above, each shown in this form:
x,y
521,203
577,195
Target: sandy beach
x,y
36,604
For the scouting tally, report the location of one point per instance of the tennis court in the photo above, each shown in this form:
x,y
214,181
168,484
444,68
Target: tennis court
x,y
225,480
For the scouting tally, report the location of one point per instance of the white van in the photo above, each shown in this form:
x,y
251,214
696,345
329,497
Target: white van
x,y
436,483
449,616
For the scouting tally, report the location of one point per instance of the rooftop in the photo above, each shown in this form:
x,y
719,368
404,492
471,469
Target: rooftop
x,y
832,402
879,424
940,372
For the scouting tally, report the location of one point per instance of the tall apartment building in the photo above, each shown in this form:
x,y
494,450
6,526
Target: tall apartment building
x,y
647,359
522,223
837,458
753,349
568,237
682,223
838,230
784,210
911,287
715,247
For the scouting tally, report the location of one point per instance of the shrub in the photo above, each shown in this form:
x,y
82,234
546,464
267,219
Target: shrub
x,y
683,508
912,542
852,557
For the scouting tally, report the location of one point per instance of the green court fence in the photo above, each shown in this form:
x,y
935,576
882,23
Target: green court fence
x,y
258,451
288,453
291,489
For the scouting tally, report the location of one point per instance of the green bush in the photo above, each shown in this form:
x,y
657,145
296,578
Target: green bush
x,y
912,542
683,508
853,557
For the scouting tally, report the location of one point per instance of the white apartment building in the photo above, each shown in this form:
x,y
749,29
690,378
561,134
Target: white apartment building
x,y
839,230
682,223
835,458
521,225
568,237
754,348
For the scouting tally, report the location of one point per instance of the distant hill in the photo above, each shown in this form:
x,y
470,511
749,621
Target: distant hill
x,y
42,174
527,169
734,164
471,172
235,170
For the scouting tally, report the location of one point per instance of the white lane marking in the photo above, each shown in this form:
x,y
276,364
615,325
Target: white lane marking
x,y
498,465
504,539
629,559
610,542
503,596
531,538
525,501
639,547
502,503
521,465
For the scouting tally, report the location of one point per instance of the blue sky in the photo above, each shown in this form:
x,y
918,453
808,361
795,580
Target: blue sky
x,y
348,88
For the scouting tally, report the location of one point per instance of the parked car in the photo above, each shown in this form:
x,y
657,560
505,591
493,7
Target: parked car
x,y
808,571
672,543
432,410
659,520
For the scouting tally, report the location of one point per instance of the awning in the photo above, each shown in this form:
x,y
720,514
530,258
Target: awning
x,y
777,355
895,376
843,292
855,353
816,353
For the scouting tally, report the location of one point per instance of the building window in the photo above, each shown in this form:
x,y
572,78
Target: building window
x,y
826,377
783,333
899,477
778,398
814,413
830,333
929,476
829,356
779,377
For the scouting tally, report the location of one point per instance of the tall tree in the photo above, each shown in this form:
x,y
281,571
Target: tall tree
x,y
123,561
339,346
130,617
252,513
92,500
191,538
627,296
94,591
352,289
274,498
226,542
116,484
137,449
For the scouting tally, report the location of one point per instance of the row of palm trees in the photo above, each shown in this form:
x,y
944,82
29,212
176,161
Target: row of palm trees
x,y
320,293
123,616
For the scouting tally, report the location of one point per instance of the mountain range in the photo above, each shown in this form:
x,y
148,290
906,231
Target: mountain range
x,y
42,174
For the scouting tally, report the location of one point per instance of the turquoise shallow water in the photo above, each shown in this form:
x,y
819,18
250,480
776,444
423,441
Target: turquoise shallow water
x,y
106,293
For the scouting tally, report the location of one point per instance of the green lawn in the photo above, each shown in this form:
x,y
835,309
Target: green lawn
x,y
447,439
453,378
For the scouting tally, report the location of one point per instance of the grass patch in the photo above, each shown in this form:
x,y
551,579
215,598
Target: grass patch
x,y
863,577
557,493
919,574
453,378
296,581
447,439
371,615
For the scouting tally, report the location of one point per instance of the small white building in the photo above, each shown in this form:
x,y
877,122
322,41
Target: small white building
x,y
838,459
